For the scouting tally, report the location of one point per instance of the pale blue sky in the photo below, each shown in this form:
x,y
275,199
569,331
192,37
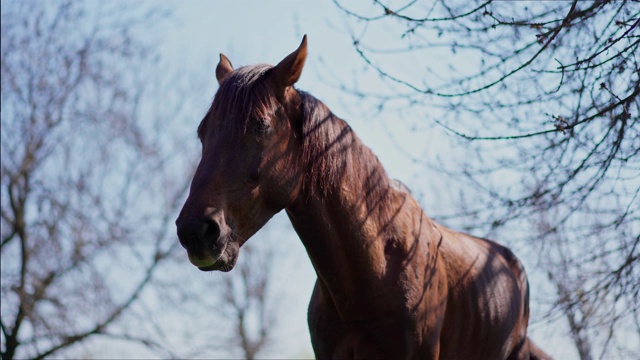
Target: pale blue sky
x,y
250,32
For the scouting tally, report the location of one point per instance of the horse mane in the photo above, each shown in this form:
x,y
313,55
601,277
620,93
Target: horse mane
x,y
332,154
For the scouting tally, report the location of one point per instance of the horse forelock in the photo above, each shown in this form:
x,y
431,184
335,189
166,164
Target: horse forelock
x,y
242,95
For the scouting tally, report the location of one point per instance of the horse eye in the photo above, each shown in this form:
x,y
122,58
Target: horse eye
x,y
261,126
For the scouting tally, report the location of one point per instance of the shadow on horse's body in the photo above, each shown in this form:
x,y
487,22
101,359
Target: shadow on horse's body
x,y
392,283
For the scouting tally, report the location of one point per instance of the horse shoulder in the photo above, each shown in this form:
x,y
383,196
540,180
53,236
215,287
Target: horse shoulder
x,y
486,299
380,337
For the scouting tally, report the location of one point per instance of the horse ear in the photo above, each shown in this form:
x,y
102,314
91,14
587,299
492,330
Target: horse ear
x,y
288,71
223,69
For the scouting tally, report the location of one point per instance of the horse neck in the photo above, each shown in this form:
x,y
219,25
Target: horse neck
x,y
350,226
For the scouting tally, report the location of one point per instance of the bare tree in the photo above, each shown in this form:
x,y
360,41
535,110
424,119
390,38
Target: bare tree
x,y
88,197
543,97
580,311
246,303
241,306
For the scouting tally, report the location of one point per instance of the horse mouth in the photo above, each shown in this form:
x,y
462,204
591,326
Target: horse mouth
x,y
224,261
217,266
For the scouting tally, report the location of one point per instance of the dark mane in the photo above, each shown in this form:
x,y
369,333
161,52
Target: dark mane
x,y
333,154
241,96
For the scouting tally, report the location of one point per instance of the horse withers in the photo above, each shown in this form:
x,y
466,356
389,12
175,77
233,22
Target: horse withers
x,y
392,283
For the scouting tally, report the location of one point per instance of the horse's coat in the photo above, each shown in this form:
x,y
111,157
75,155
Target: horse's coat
x,y
392,283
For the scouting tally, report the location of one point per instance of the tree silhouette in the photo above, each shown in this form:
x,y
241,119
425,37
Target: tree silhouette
x,y
84,227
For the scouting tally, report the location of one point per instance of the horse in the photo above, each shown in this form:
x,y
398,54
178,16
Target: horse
x,y
391,282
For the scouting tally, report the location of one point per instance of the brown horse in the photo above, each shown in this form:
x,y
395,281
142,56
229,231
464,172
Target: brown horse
x,y
392,283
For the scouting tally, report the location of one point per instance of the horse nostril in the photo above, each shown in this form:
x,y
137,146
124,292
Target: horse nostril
x,y
197,233
210,231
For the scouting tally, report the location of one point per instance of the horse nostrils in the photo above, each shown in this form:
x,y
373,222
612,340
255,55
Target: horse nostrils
x,y
210,233
199,233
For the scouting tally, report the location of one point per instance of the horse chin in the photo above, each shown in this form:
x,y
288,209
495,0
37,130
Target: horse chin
x,y
227,259
217,266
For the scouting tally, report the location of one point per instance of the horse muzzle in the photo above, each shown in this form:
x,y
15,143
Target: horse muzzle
x,y
209,243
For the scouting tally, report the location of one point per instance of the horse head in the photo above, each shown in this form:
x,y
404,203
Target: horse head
x,y
250,165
